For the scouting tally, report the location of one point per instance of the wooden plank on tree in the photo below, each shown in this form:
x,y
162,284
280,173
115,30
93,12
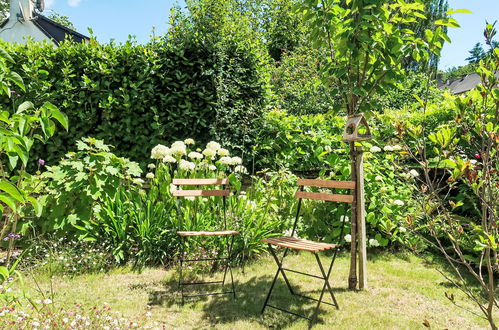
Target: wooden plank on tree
x,y
361,220
194,193
200,182
325,197
327,183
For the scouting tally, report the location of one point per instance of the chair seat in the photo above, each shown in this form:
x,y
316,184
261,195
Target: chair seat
x,y
299,244
208,233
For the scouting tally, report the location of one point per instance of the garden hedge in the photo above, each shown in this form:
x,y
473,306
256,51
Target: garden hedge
x,y
136,96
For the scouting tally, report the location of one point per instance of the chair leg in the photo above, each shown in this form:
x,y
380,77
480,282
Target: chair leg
x,y
279,264
181,259
326,285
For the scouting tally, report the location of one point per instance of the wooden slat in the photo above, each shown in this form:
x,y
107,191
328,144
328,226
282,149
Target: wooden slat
x,y
199,182
327,183
208,233
299,244
194,193
325,197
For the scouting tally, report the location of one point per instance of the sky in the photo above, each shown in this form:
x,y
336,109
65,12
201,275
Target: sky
x,y
119,19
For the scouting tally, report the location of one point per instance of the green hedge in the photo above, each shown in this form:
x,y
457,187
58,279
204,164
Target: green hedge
x,y
135,96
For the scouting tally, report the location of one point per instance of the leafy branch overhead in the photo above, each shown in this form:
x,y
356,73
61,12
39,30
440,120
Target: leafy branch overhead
x,y
369,44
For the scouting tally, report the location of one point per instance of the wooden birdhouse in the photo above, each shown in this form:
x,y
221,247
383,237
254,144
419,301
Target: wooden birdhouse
x,y
356,129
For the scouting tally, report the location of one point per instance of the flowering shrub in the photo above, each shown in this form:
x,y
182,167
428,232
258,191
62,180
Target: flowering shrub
x,y
44,315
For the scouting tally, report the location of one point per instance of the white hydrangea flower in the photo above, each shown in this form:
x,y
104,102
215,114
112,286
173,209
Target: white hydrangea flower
x,y
150,175
373,242
413,173
138,182
398,202
178,148
195,155
396,147
240,169
226,160
348,238
169,159
344,218
173,187
159,151
223,152
189,141
212,168
151,166
236,161
213,145
375,149
210,153
186,165
388,148
402,229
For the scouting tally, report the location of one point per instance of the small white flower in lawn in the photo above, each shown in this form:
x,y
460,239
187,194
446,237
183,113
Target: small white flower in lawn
x,y
388,148
151,166
47,301
148,314
348,238
150,175
186,165
240,169
212,168
398,202
195,155
413,173
378,178
375,149
373,242
209,152
402,229
226,160
169,159
138,182
189,141
236,161
159,151
397,147
65,320
223,152
213,145
344,218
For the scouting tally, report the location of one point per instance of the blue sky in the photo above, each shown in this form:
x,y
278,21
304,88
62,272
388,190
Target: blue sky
x,y
117,19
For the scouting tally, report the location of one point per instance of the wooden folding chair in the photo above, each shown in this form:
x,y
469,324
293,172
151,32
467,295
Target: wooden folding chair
x,y
293,243
226,260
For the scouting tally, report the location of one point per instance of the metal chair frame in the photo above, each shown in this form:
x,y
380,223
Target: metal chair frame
x,y
226,259
289,243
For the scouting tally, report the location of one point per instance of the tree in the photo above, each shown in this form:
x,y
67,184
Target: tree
x,y
62,19
366,51
476,54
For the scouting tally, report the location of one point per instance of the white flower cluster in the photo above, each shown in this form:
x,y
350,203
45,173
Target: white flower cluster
x,y
160,151
373,242
186,165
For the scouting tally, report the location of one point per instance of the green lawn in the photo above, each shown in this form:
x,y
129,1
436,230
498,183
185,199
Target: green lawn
x,y
403,292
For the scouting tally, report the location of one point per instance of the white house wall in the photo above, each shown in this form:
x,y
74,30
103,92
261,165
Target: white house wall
x,y
18,32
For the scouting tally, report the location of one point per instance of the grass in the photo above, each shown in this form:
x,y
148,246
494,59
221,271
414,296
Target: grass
x,y
403,293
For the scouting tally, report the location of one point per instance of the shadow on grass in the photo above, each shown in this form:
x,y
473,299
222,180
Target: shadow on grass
x,y
247,306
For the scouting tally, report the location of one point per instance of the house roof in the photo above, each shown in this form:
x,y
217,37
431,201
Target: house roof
x,y
53,30
56,31
463,84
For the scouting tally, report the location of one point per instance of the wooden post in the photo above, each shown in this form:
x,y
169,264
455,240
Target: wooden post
x,y
352,278
361,218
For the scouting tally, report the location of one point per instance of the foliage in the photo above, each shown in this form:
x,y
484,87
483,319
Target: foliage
x,y
80,181
297,86
476,54
463,169
62,19
457,72
366,46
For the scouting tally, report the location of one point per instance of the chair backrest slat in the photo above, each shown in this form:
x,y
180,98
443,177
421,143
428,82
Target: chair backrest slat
x,y
325,196
200,182
327,184
195,193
